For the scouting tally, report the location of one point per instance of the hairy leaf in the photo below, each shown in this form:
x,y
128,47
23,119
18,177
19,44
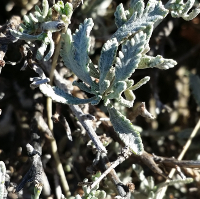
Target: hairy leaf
x,y
126,131
140,83
141,18
120,15
67,53
179,8
106,60
81,42
156,62
129,57
58,95
83,87
118,88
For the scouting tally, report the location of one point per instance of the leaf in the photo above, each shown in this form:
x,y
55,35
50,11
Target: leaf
x,y
67,52
179,8
58,95
126,131
52,47
41,50
45,8
156,62
81,42
83,87
141,18
120,15
106,60
118,88
195,85
140,83
24,36
129,57
93,70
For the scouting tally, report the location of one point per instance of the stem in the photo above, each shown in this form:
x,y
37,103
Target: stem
x,y
54,149
106,172
161,194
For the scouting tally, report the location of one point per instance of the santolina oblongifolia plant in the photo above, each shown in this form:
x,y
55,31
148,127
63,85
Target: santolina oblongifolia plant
x,y
135,27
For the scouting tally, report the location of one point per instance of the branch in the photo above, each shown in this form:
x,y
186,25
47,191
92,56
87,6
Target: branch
x,y
185,148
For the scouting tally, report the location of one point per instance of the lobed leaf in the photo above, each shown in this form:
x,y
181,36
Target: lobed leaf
x,y
156,62
106,60
67,53
58,95
129,57
81,42
179,8
83,87
141,18
126,131
118,88
120,15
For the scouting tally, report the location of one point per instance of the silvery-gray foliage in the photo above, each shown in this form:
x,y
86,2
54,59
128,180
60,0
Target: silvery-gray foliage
x,y
135,27
41,22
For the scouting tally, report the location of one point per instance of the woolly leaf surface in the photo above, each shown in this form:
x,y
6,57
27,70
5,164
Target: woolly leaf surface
x,y
58,95
141,18
156,62
67,53
118,88
120,15
81,42
126,131
83,87
129,57
106,60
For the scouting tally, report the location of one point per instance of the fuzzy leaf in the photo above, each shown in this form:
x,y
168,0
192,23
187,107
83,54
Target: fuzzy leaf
x,y
83,87
41,50
156,62
67,53
24,36
45,6
106,60
118,88
179,8
129,57
52,47
93,70
81,42
126,131
58,95
104,86
141,18
120,15
195,85
140,83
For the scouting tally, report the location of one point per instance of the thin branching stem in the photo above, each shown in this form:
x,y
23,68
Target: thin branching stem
x,y
180,157
54,149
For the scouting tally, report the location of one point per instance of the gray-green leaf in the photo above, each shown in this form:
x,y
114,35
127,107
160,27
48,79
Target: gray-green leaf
x,y
126,131
129,57
141,18
67,52
58,95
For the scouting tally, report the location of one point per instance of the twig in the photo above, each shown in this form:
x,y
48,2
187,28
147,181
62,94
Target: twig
x,y
59,166
185,148
105,173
